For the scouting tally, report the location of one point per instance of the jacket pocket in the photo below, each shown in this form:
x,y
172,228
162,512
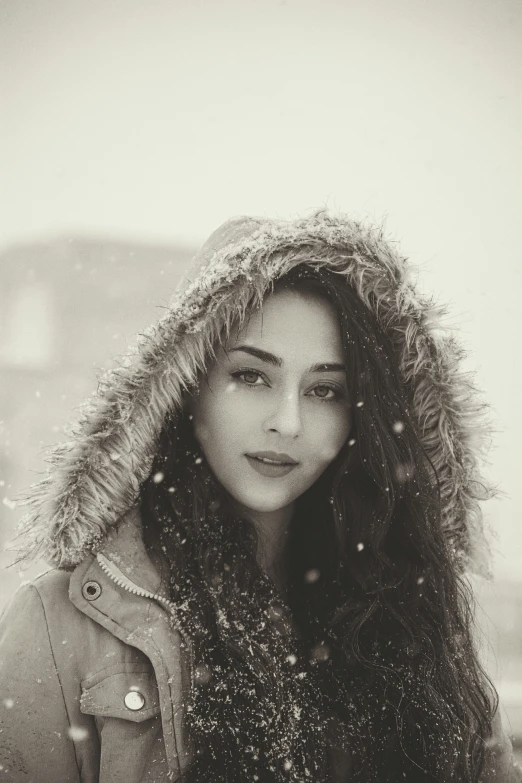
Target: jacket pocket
x,y
131,695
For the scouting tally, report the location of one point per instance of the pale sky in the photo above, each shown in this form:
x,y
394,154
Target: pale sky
x,y
158,120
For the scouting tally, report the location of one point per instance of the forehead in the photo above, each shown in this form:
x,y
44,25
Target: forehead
x,y
293,324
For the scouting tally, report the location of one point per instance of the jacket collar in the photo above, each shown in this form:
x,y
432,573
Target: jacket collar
x,y
127,613
126,549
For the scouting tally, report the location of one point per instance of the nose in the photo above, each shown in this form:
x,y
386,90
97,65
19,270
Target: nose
x,y
286,417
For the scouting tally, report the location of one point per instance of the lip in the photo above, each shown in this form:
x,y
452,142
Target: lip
x,y
273,470
284,459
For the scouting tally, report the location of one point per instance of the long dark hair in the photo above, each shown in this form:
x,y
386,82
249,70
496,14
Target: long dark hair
x,y
371,648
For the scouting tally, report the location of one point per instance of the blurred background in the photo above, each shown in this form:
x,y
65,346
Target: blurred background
x,y
130,130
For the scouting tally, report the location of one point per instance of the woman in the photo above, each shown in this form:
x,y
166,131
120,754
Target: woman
x,y
260,532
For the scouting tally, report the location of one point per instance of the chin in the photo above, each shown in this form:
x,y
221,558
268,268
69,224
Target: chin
x,y
264,504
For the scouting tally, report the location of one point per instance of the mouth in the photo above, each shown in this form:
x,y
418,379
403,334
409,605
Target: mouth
x,y
272,458
269,467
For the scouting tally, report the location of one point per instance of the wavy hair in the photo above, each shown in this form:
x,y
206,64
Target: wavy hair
x,y
371,649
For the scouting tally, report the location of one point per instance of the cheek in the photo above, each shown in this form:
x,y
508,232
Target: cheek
x,y
233,405
220,421
330,436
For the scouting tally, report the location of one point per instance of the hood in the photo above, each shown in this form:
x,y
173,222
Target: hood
x,y
94,478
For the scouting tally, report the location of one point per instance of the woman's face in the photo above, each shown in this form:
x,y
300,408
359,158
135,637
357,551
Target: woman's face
x,y
278,386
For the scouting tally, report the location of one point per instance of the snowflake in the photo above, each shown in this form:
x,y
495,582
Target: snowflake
x,y
77,733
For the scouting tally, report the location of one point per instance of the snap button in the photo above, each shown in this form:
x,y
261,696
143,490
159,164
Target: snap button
x,y
134,700
91,591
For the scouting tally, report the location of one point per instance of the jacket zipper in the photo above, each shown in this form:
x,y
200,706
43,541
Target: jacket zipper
x,y
117,576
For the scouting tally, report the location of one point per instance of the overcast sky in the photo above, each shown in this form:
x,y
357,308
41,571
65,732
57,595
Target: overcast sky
x,y
158,120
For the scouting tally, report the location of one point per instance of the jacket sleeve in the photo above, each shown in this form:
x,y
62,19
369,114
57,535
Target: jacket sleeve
x,y
500,767
35,739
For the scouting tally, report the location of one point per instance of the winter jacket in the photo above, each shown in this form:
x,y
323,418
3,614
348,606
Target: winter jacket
x,y
94,665
93,672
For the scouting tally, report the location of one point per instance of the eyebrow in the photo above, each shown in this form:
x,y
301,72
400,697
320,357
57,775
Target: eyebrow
x,y
265,356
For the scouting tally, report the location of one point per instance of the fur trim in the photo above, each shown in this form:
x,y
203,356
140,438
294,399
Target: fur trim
x,y
95,477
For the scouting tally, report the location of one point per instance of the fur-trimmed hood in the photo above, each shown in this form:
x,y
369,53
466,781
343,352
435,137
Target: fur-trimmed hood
x,y
95,477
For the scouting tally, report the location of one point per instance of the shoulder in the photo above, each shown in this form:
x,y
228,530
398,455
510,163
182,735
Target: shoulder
x,y
52,586
43,607
41,610
41,615
25,624
48,592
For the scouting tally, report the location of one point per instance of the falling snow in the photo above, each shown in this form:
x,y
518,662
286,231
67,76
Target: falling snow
x,y
404,472
321,652
312,575
77,733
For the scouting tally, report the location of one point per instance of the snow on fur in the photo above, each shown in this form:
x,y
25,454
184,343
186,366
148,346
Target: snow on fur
x,y
94,478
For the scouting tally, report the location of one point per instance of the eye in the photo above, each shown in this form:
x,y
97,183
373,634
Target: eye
x,y
247,375
336,393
